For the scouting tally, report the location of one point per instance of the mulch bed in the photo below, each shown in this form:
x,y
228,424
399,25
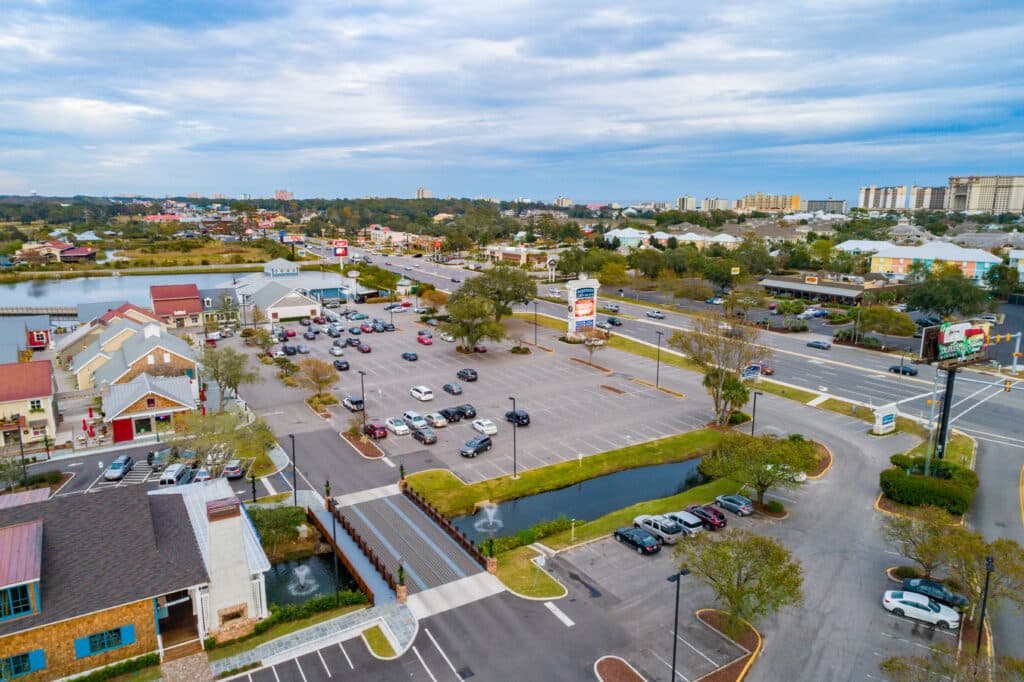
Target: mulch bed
x,y
587,364
612,389
366,449
824,460
885,504
747,639
969,636
54,487
616,670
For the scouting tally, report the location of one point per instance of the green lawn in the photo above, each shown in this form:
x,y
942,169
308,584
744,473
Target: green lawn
x,y
866,414
522,576
378,643
453,498
958,449
800,395
277,631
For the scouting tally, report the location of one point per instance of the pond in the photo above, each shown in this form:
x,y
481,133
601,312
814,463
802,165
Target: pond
x,y
584,501
295,582
134,288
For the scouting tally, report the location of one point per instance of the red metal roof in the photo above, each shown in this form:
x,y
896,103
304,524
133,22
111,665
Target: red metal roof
x,y
21,553
159,292
23,380
177,306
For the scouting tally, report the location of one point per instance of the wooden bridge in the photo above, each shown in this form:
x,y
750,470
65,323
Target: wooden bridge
x,y
52,310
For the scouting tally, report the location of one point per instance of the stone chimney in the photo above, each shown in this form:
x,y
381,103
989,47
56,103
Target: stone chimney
x,y
232,612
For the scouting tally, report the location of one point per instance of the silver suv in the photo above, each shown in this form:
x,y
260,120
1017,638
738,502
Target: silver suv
x,y
661,527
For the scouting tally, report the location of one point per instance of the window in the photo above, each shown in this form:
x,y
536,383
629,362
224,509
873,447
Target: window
x,y
35,404
194,319
14,602
22,664
150,402
167,357
40,337
207,302
104,641
150,359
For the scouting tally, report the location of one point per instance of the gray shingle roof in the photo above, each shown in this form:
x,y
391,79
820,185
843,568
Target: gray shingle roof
x,y
121,396
137,347
106,549
272,292
216,297
90,311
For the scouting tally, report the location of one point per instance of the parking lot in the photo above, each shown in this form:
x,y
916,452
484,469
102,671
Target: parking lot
x,y
574,409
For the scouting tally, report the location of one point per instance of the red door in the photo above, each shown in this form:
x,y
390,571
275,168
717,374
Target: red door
x,y
123,430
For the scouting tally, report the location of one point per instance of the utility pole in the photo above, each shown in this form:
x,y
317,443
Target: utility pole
x,y
947,405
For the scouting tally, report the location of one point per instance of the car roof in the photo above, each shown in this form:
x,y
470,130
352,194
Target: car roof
x,y
914,596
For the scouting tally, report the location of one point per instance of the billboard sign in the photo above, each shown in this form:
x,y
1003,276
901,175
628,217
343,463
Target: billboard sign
x,y
340,251
292,239
340,242
954,341
582,304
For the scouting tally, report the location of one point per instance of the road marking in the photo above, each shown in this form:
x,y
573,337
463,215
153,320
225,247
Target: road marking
x,y
566,621
278,679
669,666
388,462
994,435
75,464
299,666
977,404
416,651
699,652
352,667
1000,442
324,663
1020,486
270,488
443,654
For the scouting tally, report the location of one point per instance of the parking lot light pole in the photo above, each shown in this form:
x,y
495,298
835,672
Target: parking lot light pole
x,y
676,578
362,394
657,368
989,567
295,485
753,412
535,322
515,427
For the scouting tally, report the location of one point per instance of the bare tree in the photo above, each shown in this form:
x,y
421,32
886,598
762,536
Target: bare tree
x,y
316,375
594,339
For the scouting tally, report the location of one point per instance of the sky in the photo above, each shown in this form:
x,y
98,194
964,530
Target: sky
x,y
598,100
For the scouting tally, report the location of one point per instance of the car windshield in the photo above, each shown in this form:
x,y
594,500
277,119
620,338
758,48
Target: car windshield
x,y
117,465
672,528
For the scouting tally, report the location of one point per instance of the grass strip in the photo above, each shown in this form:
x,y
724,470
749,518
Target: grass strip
x,y
800,395
867,414
958,449
378,643
452,497
522,576
278,631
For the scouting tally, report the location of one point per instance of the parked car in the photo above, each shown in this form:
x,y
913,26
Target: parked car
x,y
320,319
397,426
364,348
303,349
275,353
467,374
117,470
436,420
366,328
159,459
711,517
341,365
289,333
452,414
665,529
305,322
353,403
485,426
378,327
375,428
518,417
333,332
920,607
309,335
690,524
479,348
476,445
336,351
388,327
425,340
905,370
737,504
233,470
353,341
935,590
639,539
411,357
820,345
656,314
289,350
452,388
714,300
425,436
421,393
467,411
202,474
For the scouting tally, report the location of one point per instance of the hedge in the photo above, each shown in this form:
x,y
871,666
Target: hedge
x,y
916,490
940,468
530,535
121,668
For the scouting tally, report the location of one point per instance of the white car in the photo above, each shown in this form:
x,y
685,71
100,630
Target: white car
x,y
554,291
337,352
436,420
990,318
397,426
445,336
920,607
485,426
421,393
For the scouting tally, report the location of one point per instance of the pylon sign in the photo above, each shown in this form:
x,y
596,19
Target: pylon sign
x,y
954,341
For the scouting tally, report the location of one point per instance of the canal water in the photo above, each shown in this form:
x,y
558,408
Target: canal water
x,y
133,289
584,501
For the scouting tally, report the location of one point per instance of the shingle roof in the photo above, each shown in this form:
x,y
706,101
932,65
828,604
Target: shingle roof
x,y
24,497
21,547
90,311
122,396
270,293
137,347
23,380
217,297
105,549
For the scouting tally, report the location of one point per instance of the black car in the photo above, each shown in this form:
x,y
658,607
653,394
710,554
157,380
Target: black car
x,y
305,322
467,374
282,337
290,350
936,591
309,335
614,321
820,345
425,436
906,370
475,445
639,539
353,341
451,414
456,280
452,388
341,365
518,417
411,357
467,411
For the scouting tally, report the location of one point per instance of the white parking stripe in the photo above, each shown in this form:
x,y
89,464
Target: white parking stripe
x,y
415,651
566,621
346,656
299,666
443,654
278,679
669,666
699,652
324,663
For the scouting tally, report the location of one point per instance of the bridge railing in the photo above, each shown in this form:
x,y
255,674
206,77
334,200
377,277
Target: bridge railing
x,y
447,526
371,556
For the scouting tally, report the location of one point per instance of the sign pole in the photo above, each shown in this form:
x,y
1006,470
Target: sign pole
x,y
947,404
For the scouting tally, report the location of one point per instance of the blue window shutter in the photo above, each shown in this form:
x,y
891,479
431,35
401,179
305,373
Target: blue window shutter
x,y
127,635
37,660
82,647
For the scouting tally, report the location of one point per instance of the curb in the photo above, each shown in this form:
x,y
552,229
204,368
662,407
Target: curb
x,y
341,435
388,635
674,394
616,658
831,461
888,574
565,590
904,516
753,654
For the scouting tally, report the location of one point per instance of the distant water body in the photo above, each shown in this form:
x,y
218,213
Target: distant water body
x,y
134,289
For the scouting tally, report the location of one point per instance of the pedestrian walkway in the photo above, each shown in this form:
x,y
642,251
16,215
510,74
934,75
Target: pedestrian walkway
x,y
365,570
453,595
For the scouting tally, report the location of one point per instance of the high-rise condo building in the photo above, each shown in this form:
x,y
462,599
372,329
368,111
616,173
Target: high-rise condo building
x,y
986,193
928,198
772,203
883,198
423,193
686,203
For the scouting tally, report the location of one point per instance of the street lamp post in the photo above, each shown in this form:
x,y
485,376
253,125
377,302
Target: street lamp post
x,y
362,394
753,413
535,322
295,486
989,567
515,427
676,578
657,368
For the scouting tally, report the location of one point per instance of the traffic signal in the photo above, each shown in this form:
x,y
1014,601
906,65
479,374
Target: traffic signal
x,y
1006,385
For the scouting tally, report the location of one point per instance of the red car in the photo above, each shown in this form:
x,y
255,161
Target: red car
x,y
712,518
365,328
320,320
363,348
375,428
406,304
289,332
425,340
479,348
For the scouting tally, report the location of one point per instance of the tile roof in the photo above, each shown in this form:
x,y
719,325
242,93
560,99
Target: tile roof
x,y
24,380
122,396
85,548
21,548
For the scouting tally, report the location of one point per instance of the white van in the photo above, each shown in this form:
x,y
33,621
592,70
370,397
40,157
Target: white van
x,y
661,527
176,474
687,521
414,420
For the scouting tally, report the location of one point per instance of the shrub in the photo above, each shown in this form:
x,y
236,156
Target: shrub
x,y
870,342
952,494
904,572
799,327
843,335
248,332
284,614
797,438
50,477
121,668
738,417
532,534
775,507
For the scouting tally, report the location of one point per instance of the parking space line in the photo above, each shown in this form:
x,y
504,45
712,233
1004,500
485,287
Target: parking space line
x,y
669,666
699,652
324,663
274,670
416,651
346,656
299,666
443,654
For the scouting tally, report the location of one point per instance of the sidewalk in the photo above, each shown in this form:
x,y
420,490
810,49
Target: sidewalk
x,y
395,619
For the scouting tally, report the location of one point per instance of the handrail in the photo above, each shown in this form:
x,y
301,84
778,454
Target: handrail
x,y
457,535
